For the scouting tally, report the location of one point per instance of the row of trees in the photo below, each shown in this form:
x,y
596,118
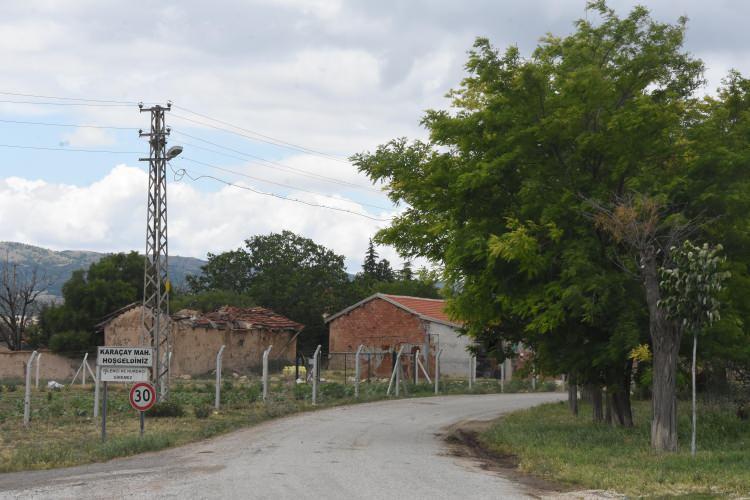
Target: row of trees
x,y
300,279
286,272
556,188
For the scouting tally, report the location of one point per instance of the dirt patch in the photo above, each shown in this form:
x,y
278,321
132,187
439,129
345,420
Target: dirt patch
x,y
463,441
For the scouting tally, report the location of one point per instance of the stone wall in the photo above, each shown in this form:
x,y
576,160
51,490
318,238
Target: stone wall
x,y
53,366
194,349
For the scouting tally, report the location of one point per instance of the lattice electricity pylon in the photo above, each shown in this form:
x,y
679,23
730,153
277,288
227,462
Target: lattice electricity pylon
x,y
155,330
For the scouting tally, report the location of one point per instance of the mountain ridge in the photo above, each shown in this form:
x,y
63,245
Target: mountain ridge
x,y
58,265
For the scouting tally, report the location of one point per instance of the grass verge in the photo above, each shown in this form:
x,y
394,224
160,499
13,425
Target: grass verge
x,y
551,443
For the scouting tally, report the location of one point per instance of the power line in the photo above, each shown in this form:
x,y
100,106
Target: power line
x,y
112,101
259,139
298,171
89,104
280,184
72,150
279,142
274,163
74,125
183,172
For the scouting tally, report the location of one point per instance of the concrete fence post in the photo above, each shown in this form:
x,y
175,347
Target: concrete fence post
x,y
356,370
396,374
38,359
420,366
416,367
438,354
502,376
27,394
265,371
217,398
472,370
316,360
96,389
83,368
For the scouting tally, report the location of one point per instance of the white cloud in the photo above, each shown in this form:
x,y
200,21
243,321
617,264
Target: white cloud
x,y
88,137
109,215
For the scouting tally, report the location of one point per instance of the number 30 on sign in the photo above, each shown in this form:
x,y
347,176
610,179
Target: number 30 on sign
x,y
142,396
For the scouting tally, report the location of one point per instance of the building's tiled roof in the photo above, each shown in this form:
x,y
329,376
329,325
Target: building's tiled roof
x,y
426,309
430,308
104,321
245,319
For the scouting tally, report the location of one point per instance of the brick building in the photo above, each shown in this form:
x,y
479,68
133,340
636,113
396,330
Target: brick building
x,y
383,323
197,338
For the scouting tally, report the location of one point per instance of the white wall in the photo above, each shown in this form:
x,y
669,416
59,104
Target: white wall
x,y
454,361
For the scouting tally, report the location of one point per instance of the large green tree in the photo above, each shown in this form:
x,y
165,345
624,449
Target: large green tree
x,y
506,193
285,272
109,284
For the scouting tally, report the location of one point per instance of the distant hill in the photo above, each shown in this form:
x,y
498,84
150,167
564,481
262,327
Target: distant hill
x,y
58,266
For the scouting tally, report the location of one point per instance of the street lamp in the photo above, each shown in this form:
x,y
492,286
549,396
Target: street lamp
x,y
173,152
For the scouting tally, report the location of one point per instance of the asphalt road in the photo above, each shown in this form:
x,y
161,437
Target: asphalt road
x,y
387,450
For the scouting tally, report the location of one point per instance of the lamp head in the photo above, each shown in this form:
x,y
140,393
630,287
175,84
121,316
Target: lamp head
x,y
173,152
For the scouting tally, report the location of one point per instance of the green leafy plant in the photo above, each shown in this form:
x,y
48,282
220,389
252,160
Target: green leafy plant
x,y
203,411
166,409
690,288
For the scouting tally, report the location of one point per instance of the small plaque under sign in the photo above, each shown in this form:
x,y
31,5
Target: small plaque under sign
x,y
124,374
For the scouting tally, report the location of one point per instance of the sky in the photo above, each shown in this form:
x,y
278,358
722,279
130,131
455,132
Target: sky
x,y
297,87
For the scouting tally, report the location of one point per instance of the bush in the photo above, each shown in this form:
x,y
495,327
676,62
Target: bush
x,y
254,393
166,409
202,411
36,336
70,342
547,386
334,390
302,392
517,385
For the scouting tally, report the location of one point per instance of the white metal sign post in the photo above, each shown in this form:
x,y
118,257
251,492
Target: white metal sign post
x,y
124,364
142,397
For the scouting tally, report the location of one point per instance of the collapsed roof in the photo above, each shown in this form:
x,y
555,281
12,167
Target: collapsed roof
x,y
239,318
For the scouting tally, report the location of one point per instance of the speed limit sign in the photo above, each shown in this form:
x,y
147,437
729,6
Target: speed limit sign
x,y
142,396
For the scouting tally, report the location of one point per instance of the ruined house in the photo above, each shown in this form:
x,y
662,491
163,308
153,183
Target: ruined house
x,y
197,338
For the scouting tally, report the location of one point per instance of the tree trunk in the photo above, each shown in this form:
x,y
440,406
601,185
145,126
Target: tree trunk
x,y
695,349
665,338
596,403
573,395
622,398
608,403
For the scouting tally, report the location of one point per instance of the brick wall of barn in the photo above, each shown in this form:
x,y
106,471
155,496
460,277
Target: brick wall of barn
x,y
379,326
